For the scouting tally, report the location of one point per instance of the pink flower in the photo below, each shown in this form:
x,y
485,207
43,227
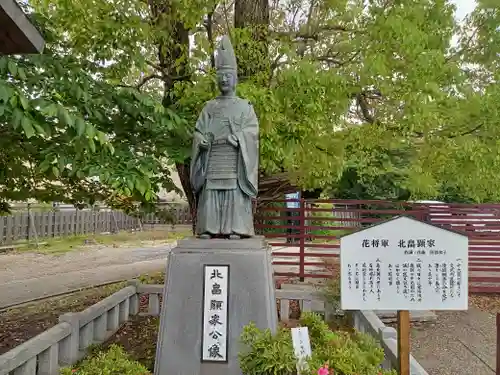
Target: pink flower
x,y
323,370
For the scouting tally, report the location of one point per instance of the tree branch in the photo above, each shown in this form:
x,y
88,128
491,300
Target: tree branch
x,y
312,4
155,66
309,35
329,60
364,107
181,78
468,132
208,24
322,149
468,43
274,65
147,79
226,17
332,59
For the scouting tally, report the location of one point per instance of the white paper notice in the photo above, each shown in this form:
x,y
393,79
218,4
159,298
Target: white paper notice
x,y
301,347
215,313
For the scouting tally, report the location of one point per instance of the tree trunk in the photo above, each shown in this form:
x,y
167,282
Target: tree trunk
x,y
173,57
248,13
251,20
183,171
251,17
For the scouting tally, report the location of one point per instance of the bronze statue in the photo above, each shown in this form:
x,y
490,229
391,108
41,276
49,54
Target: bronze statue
x,y
225,157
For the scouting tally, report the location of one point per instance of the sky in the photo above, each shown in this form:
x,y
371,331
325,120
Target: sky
x,y
464,7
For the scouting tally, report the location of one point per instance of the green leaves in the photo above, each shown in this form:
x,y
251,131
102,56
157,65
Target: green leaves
x,y
114,359
28,128
367,97
64,117
265,353
71,140
12,68
80,126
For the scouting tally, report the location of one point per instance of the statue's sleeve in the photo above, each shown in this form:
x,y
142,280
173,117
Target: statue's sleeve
x,y
199,156
248,138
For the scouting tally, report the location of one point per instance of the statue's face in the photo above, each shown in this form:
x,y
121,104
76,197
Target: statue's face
x,y
227,81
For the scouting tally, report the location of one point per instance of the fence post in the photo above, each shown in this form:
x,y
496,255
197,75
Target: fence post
x,y
134,299
302,238
28,226
70,347
53,222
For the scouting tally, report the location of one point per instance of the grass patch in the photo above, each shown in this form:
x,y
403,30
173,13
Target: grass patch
x,y
114,360
61,245
138,337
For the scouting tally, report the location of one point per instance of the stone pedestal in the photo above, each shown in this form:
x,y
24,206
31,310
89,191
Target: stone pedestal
x,y
251,299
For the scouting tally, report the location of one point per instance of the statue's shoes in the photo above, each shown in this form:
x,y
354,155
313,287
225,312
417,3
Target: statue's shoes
x,y
205,236
234,237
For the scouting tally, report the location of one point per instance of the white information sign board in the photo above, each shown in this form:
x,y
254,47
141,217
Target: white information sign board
x,y
301,347
404,264
215,313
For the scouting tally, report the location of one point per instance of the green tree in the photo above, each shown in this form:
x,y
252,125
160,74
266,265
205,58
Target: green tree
x,y
72,133
378,88
75,139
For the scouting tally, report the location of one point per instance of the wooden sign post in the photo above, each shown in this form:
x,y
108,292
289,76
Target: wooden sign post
x,y
404,265
404,342
498,345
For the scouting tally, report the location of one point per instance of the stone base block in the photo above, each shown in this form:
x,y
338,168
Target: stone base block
x,y
251,299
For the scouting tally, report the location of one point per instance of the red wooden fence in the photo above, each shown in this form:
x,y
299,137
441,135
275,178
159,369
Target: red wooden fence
x,y
303,237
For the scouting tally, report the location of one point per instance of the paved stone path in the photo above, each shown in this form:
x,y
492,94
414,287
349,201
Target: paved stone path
x,y
27,276
459,343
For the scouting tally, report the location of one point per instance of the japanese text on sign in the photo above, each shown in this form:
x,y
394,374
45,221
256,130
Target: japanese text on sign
x,y
404,264
215,313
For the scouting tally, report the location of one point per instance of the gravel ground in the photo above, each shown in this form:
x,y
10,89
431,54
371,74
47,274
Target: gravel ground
x,y
459,342
24,265
25,276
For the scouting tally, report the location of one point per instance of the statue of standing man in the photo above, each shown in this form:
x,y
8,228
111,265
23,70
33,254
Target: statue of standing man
x,y
225,157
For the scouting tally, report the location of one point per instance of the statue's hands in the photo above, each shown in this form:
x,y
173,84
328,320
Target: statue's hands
x,y
203,144
233,140
201,140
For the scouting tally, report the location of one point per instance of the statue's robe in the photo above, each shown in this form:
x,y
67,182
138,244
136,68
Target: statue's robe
x,y
225,177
